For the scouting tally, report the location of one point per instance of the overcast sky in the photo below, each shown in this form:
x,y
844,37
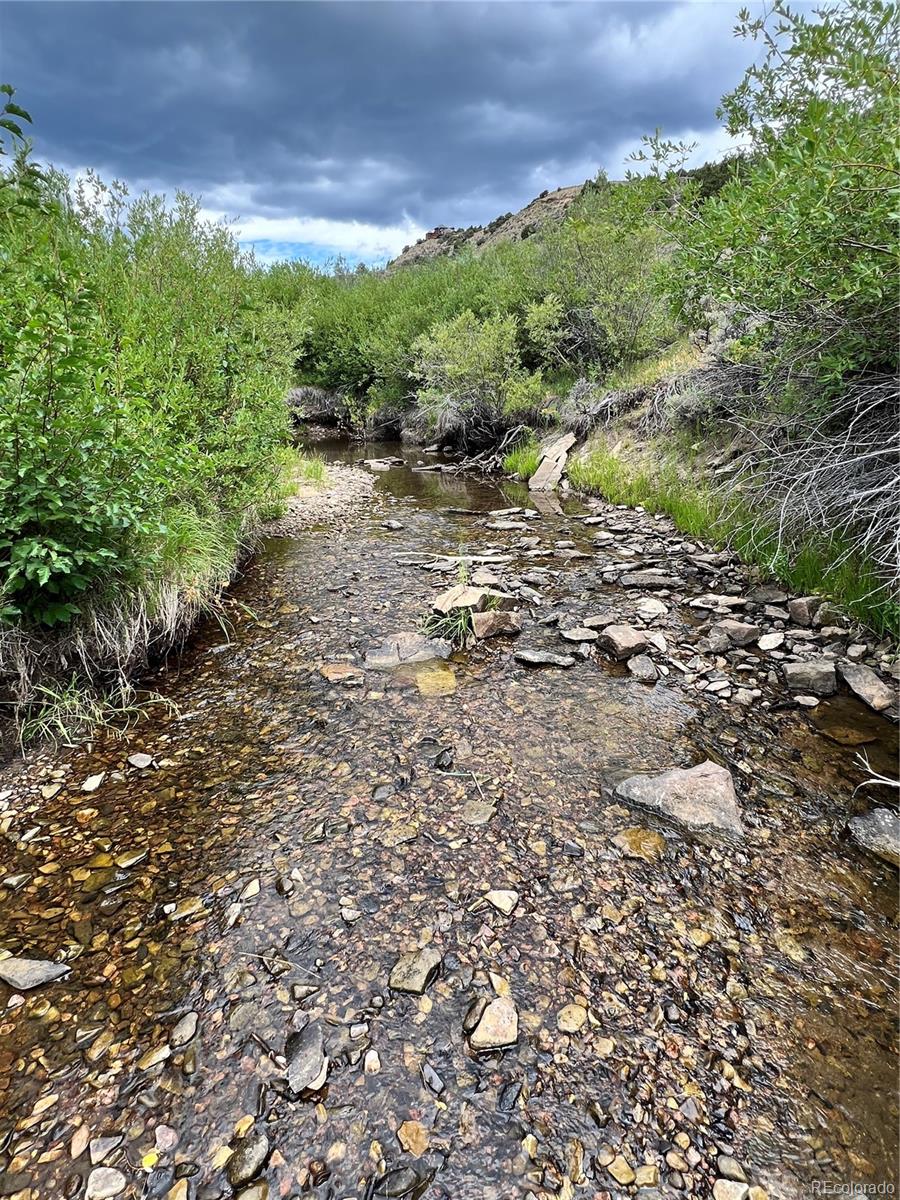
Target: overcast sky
x,y
353,127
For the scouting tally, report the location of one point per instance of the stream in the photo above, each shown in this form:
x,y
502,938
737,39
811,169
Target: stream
x,y
688,1009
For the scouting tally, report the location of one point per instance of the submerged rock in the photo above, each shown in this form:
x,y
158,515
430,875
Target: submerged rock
x,y
26,973
579,634
407,647
878,831
342,672
866,684
104,1183
185,1029
701,798
248,1160
502,899
637,842
100,1148
307,1062
643,668
571,1018
730,1189
540,658
413,972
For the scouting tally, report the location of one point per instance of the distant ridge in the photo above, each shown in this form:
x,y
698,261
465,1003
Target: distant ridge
x,y
511,227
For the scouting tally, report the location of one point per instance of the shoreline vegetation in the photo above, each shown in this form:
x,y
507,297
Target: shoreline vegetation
x,y
722,341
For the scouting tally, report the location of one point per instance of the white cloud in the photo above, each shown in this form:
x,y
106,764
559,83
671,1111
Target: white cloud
x,y
356,238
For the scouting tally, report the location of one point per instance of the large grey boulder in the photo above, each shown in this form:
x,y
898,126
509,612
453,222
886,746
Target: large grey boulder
x,y
878,831
869,686
701,798
815,677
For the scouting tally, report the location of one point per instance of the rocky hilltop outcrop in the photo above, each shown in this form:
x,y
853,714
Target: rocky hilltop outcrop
x,y
511,227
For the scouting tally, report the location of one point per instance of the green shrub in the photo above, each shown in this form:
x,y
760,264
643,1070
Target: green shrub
x,y
474,381
804,241
142,383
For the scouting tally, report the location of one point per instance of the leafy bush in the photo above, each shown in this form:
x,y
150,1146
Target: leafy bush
x,y
602,264
804,242
142,382
580,292
474,381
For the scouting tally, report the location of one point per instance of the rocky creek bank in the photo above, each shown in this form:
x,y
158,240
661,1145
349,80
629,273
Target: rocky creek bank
x,y
592,907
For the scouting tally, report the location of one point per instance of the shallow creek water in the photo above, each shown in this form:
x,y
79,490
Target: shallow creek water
x,y
740,997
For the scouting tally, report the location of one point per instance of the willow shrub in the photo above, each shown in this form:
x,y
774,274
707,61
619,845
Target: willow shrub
x,y
804,243
141,399
363,331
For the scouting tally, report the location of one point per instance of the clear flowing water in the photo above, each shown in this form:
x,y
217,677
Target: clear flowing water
x,y
295,836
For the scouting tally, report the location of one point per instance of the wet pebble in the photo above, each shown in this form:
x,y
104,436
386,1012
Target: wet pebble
x,y
104,1183
248,1160
413,972
497,1026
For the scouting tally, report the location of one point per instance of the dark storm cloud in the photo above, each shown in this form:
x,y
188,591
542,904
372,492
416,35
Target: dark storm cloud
x,y
445,112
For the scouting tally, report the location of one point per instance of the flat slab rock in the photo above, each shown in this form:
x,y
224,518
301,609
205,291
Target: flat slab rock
x,y
400,648
307,1062
540,658
552,464
649,578
498,1026
878,832
413,972
463,595
26,973
701,798
866,684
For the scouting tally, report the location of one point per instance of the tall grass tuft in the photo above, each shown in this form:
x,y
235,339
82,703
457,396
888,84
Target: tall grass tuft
x,y
523,459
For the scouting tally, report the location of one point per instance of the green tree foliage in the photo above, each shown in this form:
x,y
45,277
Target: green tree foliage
x,y
577,295
473,380
804,242
141,396
602,265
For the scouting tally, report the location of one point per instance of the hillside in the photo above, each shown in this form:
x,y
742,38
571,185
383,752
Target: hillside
x,y
511,227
